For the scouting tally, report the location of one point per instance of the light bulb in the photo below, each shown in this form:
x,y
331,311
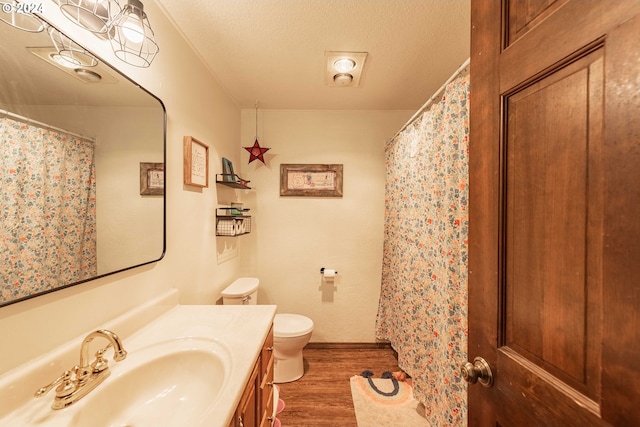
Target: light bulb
x,y
132,28
344,65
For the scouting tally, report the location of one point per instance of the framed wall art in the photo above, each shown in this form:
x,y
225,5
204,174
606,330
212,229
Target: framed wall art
x,y
311,180
151,179
196,162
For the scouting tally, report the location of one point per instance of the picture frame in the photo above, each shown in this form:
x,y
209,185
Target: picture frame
x,y
151,179
311,180
196,162
228,175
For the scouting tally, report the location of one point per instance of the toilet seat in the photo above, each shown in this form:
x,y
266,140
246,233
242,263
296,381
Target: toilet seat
x,y
291,325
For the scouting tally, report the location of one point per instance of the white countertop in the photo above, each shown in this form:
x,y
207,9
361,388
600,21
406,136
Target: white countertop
x,y
240,329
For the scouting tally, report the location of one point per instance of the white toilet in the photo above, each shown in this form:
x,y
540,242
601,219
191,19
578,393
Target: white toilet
x,y
291,332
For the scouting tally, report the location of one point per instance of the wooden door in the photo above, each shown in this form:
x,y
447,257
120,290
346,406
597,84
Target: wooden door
x,y
554,236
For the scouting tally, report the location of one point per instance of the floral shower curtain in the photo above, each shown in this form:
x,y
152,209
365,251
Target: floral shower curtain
x,y
48,209
423,301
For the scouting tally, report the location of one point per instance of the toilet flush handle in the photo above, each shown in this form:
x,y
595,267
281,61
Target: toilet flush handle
x,y
246,299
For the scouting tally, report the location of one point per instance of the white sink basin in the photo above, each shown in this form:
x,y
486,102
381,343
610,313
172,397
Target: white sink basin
x,y
186,366
169,383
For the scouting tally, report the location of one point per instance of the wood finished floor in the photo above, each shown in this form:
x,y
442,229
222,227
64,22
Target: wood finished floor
x,y
322,397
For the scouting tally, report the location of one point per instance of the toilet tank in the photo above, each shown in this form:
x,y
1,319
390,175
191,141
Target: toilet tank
x,y
243,291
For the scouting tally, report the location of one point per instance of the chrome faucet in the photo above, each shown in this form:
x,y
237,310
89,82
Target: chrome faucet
x,y
73,385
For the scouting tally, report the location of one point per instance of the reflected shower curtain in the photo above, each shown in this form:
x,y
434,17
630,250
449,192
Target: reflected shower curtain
x,y
48,209
423,300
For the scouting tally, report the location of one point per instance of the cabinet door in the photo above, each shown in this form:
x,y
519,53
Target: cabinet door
x,y
247,412
266,385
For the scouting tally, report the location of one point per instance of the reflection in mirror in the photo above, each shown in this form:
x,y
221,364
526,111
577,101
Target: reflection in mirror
x,y
73,135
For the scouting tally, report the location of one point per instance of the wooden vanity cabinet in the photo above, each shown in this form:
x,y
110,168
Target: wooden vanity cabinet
x,y
256,404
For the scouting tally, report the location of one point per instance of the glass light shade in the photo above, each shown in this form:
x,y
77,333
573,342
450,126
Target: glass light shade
x,y
93,15
344,65
17,18
132,38
70,54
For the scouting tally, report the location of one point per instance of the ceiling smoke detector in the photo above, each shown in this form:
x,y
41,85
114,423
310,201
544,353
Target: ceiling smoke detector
x,y
344,68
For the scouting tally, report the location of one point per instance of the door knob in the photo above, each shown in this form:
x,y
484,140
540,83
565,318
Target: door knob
x,y
478,371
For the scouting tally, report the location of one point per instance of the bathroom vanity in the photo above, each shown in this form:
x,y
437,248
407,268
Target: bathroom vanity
x,y
185,365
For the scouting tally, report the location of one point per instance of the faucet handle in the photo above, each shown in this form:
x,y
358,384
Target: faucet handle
x,y
64,385
100,364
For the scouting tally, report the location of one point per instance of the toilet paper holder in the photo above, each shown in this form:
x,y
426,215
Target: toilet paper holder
x,y
322,271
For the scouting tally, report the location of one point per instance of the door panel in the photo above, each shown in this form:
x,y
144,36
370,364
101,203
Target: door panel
x,y
554,240
547,318
523,15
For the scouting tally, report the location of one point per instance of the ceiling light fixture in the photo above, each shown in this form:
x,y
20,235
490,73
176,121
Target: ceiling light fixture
x,y
92,15
132,38
19,15
344,68
99,73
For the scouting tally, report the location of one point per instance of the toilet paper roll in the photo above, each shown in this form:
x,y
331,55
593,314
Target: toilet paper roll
x,y
329,273
225,227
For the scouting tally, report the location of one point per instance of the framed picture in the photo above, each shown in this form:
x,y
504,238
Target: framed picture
x,y
152,179
228,174
311,180
196,162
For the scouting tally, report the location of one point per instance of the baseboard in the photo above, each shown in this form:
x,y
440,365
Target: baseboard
x,y
348,345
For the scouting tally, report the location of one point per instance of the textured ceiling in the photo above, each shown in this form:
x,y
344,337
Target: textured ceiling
x,y
272,51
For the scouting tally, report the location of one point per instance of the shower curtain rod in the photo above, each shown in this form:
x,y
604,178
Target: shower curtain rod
x,y
433,97
28,121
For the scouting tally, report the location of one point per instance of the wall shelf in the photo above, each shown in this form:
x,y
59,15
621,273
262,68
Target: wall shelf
x,y
232,224
232,180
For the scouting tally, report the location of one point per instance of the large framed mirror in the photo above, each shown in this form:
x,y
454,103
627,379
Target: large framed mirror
x,y
80,147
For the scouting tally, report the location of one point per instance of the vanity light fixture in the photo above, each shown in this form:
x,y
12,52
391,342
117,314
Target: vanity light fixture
x,y
132,38
127,28
20,15
92,15
69,53
344,68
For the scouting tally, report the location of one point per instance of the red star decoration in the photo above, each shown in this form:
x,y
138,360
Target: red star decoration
x,y
256,152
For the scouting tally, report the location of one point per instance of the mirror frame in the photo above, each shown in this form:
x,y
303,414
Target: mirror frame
x,y
164,204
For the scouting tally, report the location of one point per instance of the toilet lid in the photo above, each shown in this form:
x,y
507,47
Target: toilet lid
x,y
241,287
291,325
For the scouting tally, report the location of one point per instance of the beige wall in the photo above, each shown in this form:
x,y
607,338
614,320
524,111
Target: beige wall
x,y
196,105
293,237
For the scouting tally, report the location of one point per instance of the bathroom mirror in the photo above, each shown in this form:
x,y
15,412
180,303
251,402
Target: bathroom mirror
x,y
79,134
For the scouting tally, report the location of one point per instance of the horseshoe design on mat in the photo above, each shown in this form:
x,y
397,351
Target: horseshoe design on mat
x,y
386,375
